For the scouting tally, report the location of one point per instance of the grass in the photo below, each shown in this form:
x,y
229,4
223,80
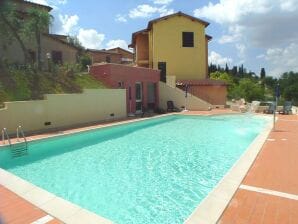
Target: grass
x,y
19,85
86,81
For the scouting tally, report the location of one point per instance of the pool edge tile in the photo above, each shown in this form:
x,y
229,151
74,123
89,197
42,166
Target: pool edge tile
x,y
46,201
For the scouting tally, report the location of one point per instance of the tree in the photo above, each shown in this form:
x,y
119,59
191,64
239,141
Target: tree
x,y
223,76
212,68
234,71
37,23
11,25
227,68
263,74
289,86
247,89
241,70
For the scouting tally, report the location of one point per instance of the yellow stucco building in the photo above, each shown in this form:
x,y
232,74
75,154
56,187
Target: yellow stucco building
x,y
177,45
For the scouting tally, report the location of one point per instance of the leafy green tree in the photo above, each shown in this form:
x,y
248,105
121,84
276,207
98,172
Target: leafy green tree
x,y
84,60
289,86
35,25
234,71
11,26
223,76
247,89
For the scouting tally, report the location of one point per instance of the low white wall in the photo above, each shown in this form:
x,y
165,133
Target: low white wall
x,y
167,93
64,110
171,80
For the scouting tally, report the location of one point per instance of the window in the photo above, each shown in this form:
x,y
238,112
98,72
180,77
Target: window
x,y
120,85
57,57
108,59
187,39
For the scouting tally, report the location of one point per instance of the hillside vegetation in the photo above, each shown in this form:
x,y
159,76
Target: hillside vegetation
x,y
27,84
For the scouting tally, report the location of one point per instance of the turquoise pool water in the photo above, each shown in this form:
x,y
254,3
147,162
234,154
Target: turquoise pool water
x,y
154,171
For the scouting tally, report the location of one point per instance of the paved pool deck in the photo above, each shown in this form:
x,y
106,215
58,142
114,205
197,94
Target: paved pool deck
x,y
267,194
269,191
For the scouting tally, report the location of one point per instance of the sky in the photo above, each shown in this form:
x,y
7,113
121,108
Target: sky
x,y
255,33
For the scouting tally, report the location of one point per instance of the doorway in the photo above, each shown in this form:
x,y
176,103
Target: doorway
x,y
162,66
139,97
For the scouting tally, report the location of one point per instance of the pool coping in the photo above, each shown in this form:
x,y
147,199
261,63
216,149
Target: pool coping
x,y
213,205
208,211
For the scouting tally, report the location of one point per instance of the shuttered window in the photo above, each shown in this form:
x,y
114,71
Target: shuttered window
x,y
187,39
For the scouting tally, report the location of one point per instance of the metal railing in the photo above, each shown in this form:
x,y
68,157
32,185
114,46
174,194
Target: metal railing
x,y
5,134
20,130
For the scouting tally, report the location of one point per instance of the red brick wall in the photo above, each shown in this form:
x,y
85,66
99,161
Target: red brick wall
x,y
98,57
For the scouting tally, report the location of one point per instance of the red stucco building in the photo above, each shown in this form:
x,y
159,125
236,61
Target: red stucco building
x,y
141,84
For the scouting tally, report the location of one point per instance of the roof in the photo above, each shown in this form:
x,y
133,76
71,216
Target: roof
x,y
202,82
102,51
48,8
177,14
208,37
118,48
54,37
133,37
150,23
60,36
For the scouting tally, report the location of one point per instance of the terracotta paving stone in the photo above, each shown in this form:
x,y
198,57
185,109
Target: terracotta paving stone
x,y
15,210
275,168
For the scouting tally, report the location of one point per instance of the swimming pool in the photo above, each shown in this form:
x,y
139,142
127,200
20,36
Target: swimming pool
x,y
153,171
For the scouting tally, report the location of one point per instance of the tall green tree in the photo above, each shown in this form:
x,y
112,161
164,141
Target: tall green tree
x,y
11,26
289,86
36,24
263,73
263,76
227,68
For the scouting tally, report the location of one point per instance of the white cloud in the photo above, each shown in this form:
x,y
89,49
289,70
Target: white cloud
x,y
117,43
165,12
234,34
68,23
227,39
52,3
241,50
146,11
90,38
264,25
288,5
217,59
282,59
162,2
260,56
142,11
42,2
121,18
232,10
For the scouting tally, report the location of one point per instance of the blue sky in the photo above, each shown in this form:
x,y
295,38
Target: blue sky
x,y
256,33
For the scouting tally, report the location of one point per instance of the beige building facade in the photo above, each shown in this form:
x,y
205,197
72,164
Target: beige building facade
x,y
53,47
